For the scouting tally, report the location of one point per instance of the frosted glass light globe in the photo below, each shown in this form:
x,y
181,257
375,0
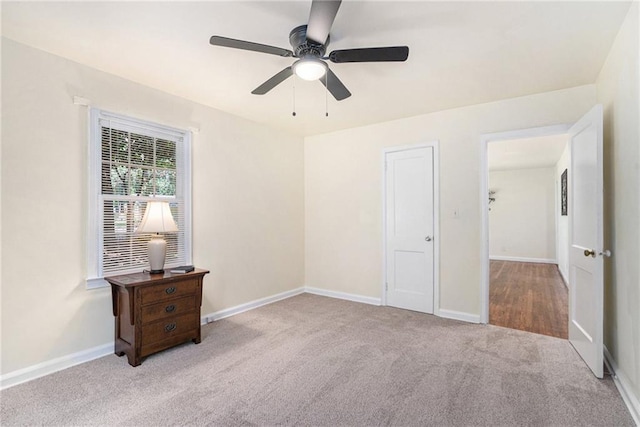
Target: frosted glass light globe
x,y
310,69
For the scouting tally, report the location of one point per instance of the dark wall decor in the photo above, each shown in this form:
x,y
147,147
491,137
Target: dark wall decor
x,y
563,193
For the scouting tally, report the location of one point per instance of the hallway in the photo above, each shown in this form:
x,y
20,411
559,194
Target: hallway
x,y
529,297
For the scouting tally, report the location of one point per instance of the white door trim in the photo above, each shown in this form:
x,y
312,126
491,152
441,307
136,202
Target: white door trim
x,y
436,218
485,139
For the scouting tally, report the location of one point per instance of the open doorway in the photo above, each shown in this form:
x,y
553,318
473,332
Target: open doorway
x,y
527,230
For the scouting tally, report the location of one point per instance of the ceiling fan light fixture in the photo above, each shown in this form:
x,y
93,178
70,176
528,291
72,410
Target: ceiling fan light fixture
x,y
310,68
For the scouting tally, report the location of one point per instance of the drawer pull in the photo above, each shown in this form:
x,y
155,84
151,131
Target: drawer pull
x,y
170,327
170,308
170,290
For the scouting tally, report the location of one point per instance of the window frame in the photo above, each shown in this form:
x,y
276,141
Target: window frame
x,y
95,276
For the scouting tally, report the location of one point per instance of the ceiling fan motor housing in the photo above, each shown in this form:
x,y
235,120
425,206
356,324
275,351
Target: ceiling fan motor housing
x,y
303,47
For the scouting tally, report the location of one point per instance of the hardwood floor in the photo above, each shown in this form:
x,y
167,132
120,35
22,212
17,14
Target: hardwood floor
x,y
529,297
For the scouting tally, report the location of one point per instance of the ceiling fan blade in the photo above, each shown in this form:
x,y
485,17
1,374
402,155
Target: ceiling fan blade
x,y
335,86
273,81
370,54
321,17
245,45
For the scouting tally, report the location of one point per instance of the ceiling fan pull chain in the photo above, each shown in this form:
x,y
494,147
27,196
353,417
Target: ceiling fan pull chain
x,y
326,96
294,97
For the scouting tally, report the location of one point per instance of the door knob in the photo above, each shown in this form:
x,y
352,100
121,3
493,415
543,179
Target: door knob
x,y
427,239
606,253
591,252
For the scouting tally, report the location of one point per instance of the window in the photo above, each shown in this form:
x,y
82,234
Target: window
x,y
131,163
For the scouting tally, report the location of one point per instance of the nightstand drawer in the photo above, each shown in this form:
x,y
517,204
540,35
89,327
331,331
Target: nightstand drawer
x,y
170,308
158,293
169,329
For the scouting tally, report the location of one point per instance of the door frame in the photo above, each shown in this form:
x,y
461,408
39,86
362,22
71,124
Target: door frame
x,y
436,218
485,139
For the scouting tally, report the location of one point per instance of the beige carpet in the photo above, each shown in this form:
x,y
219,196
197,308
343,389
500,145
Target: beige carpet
x,y
311,360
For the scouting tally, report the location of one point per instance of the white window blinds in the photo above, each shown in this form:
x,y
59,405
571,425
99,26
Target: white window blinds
x,y
135,162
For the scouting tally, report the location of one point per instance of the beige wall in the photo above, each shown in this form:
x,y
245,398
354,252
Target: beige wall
x,y
618,89
522,219
343,192
248,203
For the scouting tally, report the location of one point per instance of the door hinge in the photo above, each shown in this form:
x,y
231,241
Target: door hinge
x,y
386,286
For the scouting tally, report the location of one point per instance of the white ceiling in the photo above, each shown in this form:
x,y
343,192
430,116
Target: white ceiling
x,y
461,53
526,153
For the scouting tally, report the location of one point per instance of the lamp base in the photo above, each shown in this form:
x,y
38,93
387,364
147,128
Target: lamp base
x,y
157,248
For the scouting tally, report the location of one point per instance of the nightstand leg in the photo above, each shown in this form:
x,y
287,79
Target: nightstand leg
x,y
133,360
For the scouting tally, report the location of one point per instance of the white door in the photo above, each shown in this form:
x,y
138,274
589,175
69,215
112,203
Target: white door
x,y
409,225
586,239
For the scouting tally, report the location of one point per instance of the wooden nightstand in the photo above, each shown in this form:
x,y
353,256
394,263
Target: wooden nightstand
x,y
155,311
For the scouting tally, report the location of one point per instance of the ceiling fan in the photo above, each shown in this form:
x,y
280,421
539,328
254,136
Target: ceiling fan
x,y
309,44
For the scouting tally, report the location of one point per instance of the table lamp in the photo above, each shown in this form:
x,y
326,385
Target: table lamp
x,y
157,219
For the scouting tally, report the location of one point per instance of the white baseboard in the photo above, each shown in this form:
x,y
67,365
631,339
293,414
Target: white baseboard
x,y
624,387
564,278
64,362
448,314
343,295
523,259
54,365
251,305
59,364
458,315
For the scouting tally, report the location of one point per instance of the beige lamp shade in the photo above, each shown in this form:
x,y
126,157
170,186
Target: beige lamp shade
x,y
157,219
